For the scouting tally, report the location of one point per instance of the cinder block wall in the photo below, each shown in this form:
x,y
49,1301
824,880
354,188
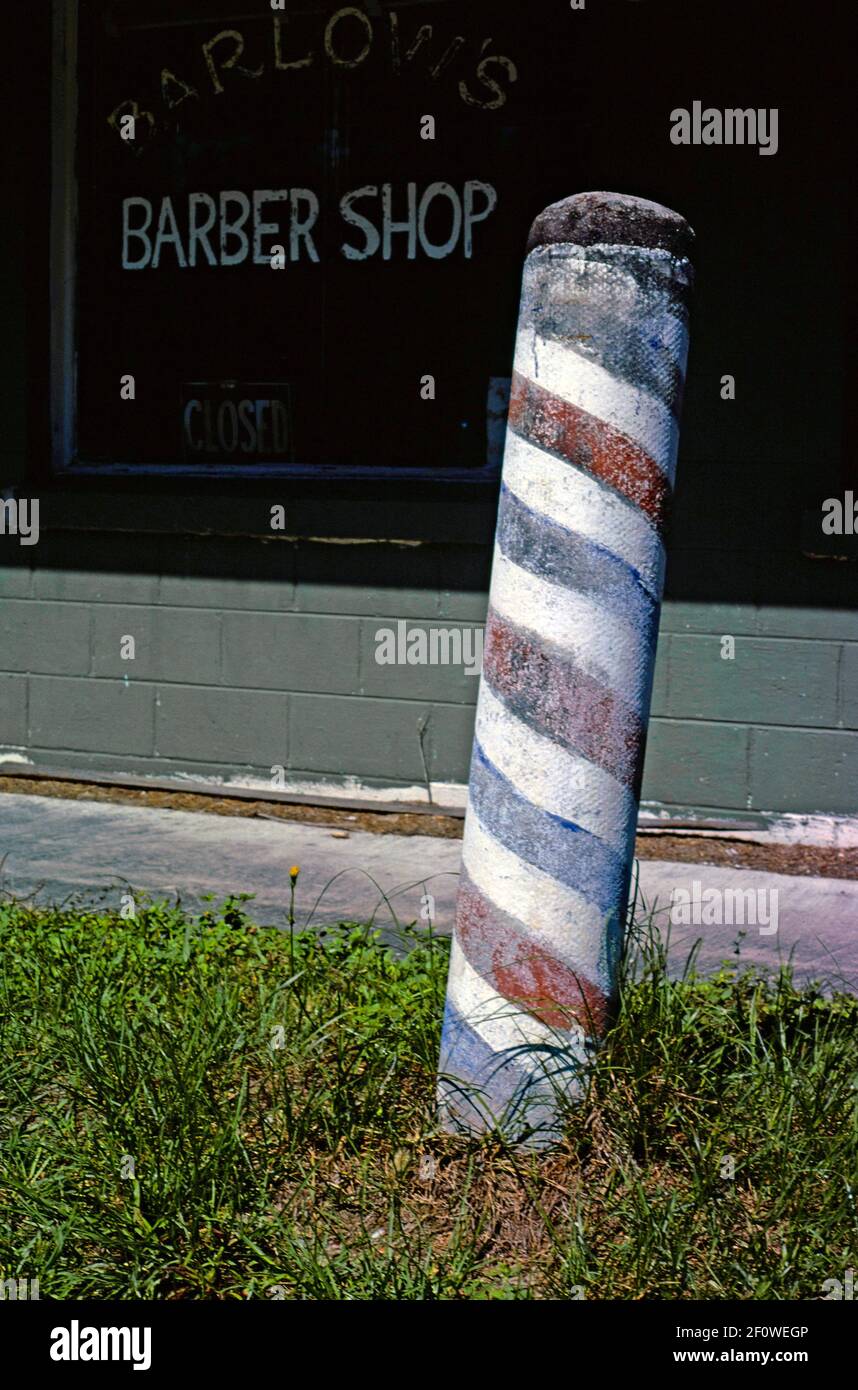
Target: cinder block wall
x,y
258,655
254,654
774,730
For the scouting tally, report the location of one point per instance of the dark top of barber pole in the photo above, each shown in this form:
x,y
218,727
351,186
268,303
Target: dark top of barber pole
x,y
612,219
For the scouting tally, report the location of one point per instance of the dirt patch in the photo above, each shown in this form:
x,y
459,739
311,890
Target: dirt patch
x,y
375,822
812,861
802,860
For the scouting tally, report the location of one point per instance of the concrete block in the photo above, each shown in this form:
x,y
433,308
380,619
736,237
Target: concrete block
x,y
399,581
171,644
804,770
44,637
225,572
95,568
439,681
769,681
380,738
89,714
15,579
222,727
847,716
13,710
696,764
291,652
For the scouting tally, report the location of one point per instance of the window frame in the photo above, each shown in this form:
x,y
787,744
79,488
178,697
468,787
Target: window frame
x,y
65,462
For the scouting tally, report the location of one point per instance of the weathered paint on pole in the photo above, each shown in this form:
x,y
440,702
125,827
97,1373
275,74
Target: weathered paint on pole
x,y
567,672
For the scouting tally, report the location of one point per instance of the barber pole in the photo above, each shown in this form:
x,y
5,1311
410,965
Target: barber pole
x,y
567,672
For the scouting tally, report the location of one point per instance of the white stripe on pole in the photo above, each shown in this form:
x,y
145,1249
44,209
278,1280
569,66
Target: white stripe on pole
x,y
552,777
568,496
599,392
567,924
501,1023
595,639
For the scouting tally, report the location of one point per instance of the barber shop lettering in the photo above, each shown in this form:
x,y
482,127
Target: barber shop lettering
x,y
230,228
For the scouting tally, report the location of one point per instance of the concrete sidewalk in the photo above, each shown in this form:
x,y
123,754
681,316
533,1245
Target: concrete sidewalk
x,y
95,851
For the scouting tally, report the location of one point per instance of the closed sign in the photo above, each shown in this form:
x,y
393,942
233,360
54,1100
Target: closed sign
x,y
237,419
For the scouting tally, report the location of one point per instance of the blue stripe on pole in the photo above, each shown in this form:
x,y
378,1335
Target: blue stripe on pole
x,y
494,1077
497,1086
632,351
661,279
552,552
583,863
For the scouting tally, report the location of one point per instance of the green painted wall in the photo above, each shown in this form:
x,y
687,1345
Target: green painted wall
x,y
252,654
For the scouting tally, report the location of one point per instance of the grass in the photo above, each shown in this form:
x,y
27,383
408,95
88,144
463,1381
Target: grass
x,y
199,1108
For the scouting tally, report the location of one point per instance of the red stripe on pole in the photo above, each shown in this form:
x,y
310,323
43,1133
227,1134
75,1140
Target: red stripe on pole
x,y
551,694
552,423
523,971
